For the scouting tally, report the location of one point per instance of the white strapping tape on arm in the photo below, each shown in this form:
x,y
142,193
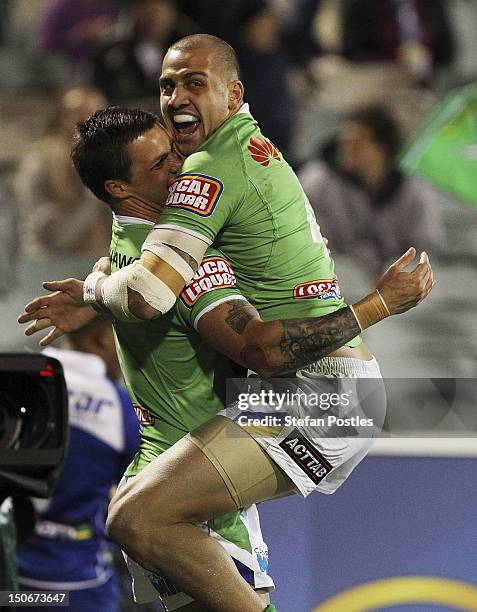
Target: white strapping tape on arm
x,y
114,291
192,245
170,257
89,288
154,291
114,294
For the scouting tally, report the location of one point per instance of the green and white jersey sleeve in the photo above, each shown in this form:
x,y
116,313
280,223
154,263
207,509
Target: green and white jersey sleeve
x,y
214,283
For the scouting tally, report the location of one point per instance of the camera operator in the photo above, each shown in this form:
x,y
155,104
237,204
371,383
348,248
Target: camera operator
x,y
68,549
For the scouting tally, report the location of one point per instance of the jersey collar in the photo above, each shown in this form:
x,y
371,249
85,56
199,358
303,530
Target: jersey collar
x,y
123,220
244,109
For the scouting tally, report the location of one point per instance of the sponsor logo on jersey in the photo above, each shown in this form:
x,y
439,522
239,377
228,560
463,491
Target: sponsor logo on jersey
x,y
306,456
320,289
214,273
144,417
195,192
262,151
120,260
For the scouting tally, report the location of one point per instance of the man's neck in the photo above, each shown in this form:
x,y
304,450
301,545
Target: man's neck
x,y
139,209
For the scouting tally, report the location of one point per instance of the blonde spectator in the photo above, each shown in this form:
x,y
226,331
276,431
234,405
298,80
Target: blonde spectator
x,y
57,214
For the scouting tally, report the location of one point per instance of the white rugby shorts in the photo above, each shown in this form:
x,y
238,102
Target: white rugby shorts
x,y
320,457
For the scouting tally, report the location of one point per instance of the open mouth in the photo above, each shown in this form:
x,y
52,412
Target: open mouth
x,y
185,124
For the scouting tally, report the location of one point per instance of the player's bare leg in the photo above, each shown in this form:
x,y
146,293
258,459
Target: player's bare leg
x,y
153,517
197,606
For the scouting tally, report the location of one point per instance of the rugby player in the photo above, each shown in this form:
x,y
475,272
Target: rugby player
x,y
168,418
201,98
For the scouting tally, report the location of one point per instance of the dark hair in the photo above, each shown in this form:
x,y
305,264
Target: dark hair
x,y
224,53
99,146
384,126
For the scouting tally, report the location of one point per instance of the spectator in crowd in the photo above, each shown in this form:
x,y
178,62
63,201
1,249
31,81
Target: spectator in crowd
x,y
74,28
367,208
416,34
265,63
126,69
57,214
368,52
68,549
211,16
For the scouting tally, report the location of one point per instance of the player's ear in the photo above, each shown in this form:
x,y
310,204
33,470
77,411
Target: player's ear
x,y
118,189
236,92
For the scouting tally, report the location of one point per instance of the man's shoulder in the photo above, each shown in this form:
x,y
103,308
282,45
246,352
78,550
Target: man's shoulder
x,y
227,146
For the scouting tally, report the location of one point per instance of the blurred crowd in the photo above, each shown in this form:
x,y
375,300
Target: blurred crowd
x,y
337,85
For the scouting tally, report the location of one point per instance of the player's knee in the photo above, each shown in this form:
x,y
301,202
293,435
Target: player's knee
x,y
113,522
127,524
121,524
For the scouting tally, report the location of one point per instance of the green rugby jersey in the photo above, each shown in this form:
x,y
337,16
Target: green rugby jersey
x,y
238,193
169,370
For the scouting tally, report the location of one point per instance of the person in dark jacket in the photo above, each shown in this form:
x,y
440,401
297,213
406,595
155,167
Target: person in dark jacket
x,y
126,69
366,207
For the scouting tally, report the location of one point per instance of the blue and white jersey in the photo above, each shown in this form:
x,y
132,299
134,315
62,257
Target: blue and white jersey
x,y
68,549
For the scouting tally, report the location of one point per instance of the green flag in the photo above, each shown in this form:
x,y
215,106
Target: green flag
x,y
444,151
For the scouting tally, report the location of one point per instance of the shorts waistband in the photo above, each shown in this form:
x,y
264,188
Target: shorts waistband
x,y
343,366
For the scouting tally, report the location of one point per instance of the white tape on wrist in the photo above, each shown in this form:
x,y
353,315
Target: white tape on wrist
x,y
114,294
171,257
90,295
154,291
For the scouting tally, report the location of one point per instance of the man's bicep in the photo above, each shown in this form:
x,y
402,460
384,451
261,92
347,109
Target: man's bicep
x,y
189,246
223,327
167,264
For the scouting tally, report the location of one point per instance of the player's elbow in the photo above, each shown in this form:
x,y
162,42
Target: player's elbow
x,y
261,352
254,358
140,308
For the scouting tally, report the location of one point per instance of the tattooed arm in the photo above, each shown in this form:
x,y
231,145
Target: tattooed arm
x,y
270,348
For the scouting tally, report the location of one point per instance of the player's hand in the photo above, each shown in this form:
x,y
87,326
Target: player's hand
x,y
403,290
61,311
103,265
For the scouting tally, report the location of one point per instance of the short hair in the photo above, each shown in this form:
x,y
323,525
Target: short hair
x,y
224,53
99,146
382,123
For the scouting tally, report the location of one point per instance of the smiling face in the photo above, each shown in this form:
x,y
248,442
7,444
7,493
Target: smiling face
x,y
197,96
154,166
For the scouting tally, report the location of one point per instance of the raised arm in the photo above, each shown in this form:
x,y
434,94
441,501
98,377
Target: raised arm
x,y
271,348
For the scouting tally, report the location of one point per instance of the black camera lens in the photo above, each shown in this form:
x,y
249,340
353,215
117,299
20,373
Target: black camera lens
x,y
25,419
10,421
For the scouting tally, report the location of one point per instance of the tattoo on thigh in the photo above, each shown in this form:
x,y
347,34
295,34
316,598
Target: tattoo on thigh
x,y
240,313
